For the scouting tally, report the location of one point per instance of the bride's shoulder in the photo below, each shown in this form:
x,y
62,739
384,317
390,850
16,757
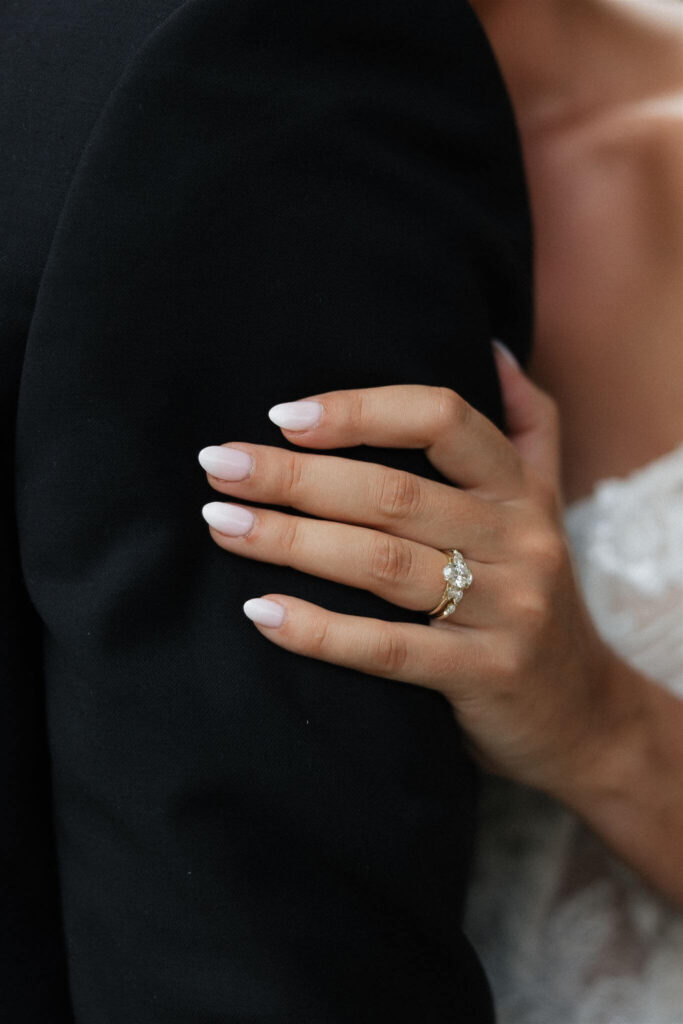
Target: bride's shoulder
x,y
609,216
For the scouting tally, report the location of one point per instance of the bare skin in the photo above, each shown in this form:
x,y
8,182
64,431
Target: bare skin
x,y
597,87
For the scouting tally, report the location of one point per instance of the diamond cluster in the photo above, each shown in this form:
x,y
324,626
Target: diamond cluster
x,y
458,578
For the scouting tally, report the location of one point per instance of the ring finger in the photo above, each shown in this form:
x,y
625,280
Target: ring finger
x,y
405,572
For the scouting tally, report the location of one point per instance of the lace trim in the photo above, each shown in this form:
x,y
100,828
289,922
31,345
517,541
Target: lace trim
x,y
566,932
656,474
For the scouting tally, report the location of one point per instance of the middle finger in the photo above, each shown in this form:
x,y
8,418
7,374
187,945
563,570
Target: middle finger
x,y
350,491
404,572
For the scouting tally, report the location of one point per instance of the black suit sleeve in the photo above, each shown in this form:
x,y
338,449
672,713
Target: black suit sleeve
x,y
278,199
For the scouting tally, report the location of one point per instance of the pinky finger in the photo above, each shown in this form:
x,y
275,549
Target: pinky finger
x,y
405,651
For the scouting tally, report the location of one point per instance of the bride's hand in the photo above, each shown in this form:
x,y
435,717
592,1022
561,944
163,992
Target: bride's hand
x,y
519,659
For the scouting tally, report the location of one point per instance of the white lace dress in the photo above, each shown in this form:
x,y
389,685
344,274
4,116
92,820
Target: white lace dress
x,y
568,934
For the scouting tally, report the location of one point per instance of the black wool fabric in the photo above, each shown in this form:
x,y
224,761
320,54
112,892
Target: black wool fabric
x,y
212,207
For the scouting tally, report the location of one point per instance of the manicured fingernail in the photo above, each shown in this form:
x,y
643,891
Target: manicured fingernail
x,y
263,611
296,415
225,463
506,353
231,519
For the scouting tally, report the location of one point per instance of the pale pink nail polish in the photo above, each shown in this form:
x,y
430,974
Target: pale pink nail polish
x,y
506,353
230,519
225,463
296,415
263,611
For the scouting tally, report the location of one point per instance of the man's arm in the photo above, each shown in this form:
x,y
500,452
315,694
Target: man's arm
x,y
278,199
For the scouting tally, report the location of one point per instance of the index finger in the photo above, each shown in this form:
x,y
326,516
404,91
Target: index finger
x,y
463,444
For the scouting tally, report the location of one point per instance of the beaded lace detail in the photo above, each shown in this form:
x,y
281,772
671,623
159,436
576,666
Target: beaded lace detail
x,y
566,932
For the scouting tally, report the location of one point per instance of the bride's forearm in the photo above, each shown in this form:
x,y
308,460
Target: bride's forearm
x,y
630,792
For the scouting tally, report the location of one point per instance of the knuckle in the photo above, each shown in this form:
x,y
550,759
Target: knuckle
x,y
399,495
545,549
356,411
497,532
319,636
452,410
531,609
390,653
292,474
290,537
391,560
